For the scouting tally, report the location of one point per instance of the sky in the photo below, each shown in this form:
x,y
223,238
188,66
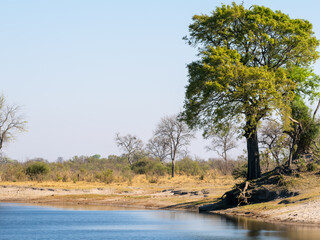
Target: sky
x,y
84,70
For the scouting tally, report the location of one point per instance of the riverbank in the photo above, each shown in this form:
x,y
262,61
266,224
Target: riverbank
x,y
181,193
185,193
276,197
297,210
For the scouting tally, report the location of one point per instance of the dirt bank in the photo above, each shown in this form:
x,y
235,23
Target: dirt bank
x,y
181,194
178,193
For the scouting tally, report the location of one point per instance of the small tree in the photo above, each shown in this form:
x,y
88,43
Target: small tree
x,y
223,140
130,145
175,134
10,122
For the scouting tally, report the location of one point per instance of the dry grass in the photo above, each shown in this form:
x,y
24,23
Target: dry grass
x,y
139,191
139,181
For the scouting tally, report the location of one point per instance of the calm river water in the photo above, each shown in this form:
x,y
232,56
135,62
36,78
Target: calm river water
x,y
22,222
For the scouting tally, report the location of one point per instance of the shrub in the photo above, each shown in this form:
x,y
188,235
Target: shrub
x,y
189,167
141,166
37,170
240,171
149,166
311,167
107,176
159,169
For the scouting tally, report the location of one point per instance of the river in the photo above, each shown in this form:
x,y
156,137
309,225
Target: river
x,y
25,222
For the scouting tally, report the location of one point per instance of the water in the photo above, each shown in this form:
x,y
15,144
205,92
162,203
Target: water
x,y
21,222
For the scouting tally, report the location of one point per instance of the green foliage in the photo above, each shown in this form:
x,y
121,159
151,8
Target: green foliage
x,y
222,89
107,170
105,176
261,36
308,129
37,170
189,167
149,166
96,156
252,63
307,82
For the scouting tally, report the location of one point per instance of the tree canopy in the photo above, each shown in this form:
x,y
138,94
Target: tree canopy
x,y
251,63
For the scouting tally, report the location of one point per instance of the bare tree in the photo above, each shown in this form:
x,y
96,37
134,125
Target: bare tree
x,y
175,134
223,140
130,145
158,148
10,122
273,140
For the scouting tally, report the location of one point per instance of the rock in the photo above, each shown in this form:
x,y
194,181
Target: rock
x,y
284,202
204,191
176,192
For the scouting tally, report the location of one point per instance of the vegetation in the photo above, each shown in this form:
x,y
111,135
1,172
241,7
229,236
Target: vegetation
x,y
252,64
252,79
37,170
130,145
10,122
176,135
107,170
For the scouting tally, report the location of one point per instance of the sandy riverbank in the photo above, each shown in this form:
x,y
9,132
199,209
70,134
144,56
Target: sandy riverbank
x,y
304,213
179,195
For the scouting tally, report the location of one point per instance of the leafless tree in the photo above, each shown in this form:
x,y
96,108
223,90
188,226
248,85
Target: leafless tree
x,y
223,141
130,145
158,148
176,135
273,140
10,122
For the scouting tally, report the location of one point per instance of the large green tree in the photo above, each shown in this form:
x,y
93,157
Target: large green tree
x,y
248,67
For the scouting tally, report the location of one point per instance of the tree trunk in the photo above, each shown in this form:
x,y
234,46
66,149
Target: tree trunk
x,y
173,167
254,170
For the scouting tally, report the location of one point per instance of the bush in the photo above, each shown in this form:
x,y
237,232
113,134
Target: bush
x,y
311,167
240,171
149,166
189,167
159,169
107,176
141,166
37,170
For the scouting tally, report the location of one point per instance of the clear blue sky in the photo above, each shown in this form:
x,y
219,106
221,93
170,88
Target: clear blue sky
x,y
84,70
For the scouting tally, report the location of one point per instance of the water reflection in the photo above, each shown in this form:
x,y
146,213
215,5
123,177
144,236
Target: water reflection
x,y
70,222
82,207
283,231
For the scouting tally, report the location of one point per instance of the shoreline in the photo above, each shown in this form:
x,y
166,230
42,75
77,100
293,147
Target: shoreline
x,y
114,206
263,219
303,213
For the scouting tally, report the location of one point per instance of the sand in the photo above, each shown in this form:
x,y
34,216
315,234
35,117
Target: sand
x,y
306,212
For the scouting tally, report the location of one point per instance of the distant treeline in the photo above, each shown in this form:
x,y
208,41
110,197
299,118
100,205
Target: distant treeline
x,y
112,169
